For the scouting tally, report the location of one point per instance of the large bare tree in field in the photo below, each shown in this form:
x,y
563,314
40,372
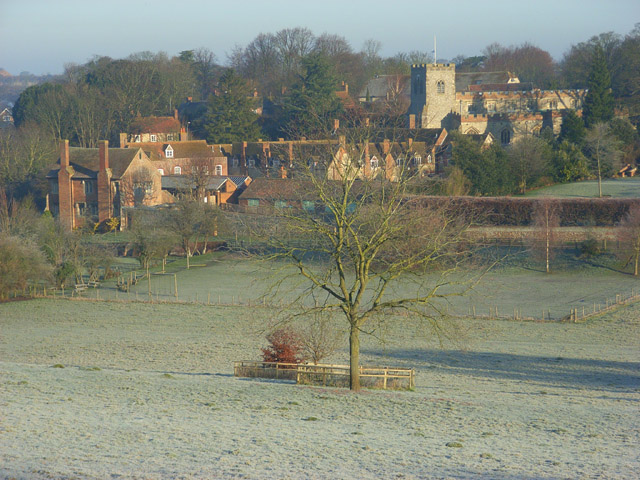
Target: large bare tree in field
x,y
360,246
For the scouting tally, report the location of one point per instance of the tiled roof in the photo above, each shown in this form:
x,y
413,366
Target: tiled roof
x,y
380,85
464,79
501,87
86,162
239,180
155,125
279,189
185,182
188,149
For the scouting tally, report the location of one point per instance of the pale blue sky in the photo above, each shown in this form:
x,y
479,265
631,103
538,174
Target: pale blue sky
x,y
40,36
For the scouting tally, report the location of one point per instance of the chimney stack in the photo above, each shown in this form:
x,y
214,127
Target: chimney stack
x,y
386,146
103,147
412,121
123,140
64,154
175,113
336,124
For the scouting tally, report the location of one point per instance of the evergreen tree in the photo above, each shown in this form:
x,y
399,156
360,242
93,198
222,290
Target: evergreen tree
x,y
598,103
230,114
569,164
573,129
312,104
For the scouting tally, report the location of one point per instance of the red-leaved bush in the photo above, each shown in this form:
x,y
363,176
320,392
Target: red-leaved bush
x,y
285,346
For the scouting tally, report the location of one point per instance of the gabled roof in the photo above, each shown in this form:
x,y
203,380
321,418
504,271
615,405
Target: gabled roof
x,y
86,162
239,180
154,125
380,85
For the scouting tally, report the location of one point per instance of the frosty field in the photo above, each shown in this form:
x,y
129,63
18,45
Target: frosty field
x,y
132,390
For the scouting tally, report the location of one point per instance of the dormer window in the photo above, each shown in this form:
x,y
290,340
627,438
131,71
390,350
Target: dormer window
x,y
154,138
177,171
161,171
417,160
251,162
136,138
168,152
218,169
374,163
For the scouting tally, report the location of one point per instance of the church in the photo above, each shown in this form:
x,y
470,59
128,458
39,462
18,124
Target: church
x,y
480,103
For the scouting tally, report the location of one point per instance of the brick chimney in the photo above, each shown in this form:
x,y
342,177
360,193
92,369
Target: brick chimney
x,y
175,113
65,192
336,124
283,172
103,148
412,121
366,122
123,140
386,146
410,140
104,182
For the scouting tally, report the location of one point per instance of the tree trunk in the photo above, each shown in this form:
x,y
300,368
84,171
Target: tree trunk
x,y
354,358
635,269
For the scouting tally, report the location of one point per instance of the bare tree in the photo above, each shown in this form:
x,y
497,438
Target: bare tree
x,y
362,247
320,338
546,220
629,235
604,149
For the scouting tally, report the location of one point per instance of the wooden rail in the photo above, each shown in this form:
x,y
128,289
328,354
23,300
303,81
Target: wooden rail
x,y
327,374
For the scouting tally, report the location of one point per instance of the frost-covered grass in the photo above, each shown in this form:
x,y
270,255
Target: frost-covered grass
x,y
518,282
146,391
614,187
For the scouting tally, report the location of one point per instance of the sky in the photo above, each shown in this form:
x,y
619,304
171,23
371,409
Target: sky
x,y
41,36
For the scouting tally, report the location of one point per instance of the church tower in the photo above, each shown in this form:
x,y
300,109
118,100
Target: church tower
x,y
433,94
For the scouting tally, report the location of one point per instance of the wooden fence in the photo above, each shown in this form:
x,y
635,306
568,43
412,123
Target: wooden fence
x,y
327,374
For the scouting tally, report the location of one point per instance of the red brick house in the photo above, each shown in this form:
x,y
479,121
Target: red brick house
x,y
98,183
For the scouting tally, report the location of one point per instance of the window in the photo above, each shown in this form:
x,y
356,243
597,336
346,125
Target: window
x,y
177,171
374,163
88,187
218,169
234,162
553,104
280,204
253,202
505,137
168,152
417,160
170,137
136,138
308,206
161,171
251,162
53,186
154,138
429,158
491,106
440,87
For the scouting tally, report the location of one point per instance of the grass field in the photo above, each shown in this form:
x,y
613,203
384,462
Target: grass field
x,y
133,390
518,283
614,187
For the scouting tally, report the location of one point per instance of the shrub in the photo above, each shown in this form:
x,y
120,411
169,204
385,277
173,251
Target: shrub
x,y
285,346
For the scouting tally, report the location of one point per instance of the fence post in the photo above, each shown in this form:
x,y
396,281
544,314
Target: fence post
x,y
386,370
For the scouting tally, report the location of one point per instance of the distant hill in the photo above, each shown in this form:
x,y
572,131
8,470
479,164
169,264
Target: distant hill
x,y
4,73
11,86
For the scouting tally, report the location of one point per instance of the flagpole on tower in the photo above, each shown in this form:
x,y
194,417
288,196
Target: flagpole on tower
x,y
435,51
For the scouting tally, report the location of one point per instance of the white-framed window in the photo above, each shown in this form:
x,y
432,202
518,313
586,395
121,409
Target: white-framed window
x,y
153,138
251,162
170,137
440,86
168,152
161,171
88,187
136,138
417,160
374,163
218,169
177,170
491,106
429,158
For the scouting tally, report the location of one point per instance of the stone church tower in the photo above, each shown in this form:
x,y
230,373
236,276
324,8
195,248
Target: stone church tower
x,y
433,95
